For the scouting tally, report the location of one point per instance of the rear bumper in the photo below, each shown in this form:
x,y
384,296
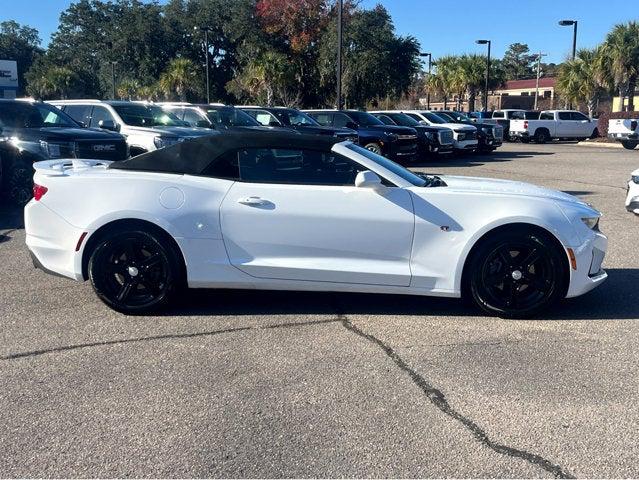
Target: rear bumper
x,y
52,241
633,137
632,198
589,258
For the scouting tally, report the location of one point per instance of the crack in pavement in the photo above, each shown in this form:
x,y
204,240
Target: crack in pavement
x,y
438,399
35,353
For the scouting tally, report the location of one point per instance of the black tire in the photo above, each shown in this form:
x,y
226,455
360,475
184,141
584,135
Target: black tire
x,y
135,271
542,136
595,133
629,144
18,179
374,147
516,274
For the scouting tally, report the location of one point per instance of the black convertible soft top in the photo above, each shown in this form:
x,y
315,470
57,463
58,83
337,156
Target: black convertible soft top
x,y
193,156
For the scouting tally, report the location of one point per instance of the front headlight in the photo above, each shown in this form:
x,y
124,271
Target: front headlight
x,y
591,222
392,137
486,130
635,179
429,135
162,142
58,149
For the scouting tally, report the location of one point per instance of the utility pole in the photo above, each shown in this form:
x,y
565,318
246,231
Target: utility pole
x,y
538,75
486,42
206,31
567,23
430,66
340,7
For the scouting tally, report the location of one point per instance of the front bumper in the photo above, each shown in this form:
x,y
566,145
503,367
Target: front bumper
x,y
465,145
52,241
589,258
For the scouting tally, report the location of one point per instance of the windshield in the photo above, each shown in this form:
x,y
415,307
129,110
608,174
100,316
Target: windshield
x,y
364,119
295,118
231,117
455,116
433,118
29,115
139,115
403,120
389,165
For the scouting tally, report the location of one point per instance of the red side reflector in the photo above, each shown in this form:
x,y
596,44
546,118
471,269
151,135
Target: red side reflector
x,y
80,240
39,191
525,124
573,260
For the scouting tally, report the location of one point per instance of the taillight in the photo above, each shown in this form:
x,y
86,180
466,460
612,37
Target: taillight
x,y
633,125
39,191
525,124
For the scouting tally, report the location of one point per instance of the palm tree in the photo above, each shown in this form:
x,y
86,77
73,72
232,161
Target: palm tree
x,y
618,64
179,78
445,80
578,81
128,89
55,82
472,73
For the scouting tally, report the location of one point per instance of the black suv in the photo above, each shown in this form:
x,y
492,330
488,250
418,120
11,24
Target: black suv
x,y
291,118
392,141
32,131
215,116
489,135
431,139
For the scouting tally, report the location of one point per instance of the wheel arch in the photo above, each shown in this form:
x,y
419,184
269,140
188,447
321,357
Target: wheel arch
x,y
129,223
462,276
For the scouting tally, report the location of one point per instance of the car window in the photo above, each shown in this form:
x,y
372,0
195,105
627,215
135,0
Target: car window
x,y
580,117
40,115
565,116
294,117
546,116
498,115
79,113
192,117
141,115
231,117
265,118
415,117
340,120
298,167
322,118
363,119
396,168
100,114
403,119
385,119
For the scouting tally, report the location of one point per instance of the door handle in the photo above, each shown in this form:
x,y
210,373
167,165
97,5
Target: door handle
x,y
252,201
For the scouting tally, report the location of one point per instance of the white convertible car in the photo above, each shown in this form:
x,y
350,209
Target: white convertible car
x,y
632,199
267,210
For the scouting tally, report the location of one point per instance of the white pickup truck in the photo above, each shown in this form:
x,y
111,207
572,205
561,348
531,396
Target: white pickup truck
x,y
554,124
625,131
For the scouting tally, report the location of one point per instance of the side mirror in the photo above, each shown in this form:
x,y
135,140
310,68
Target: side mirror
x,y
203,124
83,125
273,123
352,125
423,122
108,125
368,179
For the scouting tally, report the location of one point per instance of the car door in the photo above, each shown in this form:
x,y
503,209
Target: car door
x,y
296,215
565,125
582,125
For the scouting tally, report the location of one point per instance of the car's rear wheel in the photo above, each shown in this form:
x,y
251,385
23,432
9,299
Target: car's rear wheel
x,y
542,136
629,145
19,182
374,147
516,274
134,271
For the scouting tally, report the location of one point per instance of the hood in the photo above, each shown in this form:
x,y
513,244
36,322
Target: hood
x,y
174,131
66,134
506,187
324,130
458,126
391,129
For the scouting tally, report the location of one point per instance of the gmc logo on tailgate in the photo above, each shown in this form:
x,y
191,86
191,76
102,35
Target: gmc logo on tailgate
x,y
104,148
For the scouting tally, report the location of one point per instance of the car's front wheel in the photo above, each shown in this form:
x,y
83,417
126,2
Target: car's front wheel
x,y
134,271
374,147
516,274
629,144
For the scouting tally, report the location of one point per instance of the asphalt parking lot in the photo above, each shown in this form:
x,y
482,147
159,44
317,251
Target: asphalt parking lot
x,y
276,384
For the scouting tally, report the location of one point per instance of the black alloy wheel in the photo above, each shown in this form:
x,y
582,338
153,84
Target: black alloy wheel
x,y
19,182
542,136
134,272
517,275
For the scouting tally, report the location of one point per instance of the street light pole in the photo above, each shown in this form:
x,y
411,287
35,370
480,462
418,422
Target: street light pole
x,y
486,42
113,79
538,75
340,7
206,53
430,66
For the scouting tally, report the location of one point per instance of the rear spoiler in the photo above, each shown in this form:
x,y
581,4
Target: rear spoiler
x,y
64,166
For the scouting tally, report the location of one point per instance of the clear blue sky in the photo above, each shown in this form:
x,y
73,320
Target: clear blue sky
x,y
441,26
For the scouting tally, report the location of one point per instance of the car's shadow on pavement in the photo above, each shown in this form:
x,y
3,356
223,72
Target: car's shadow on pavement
x,y
11,218
614,299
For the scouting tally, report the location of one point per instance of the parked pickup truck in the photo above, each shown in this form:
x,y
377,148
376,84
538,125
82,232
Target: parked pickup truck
x,y
625,131
552,124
